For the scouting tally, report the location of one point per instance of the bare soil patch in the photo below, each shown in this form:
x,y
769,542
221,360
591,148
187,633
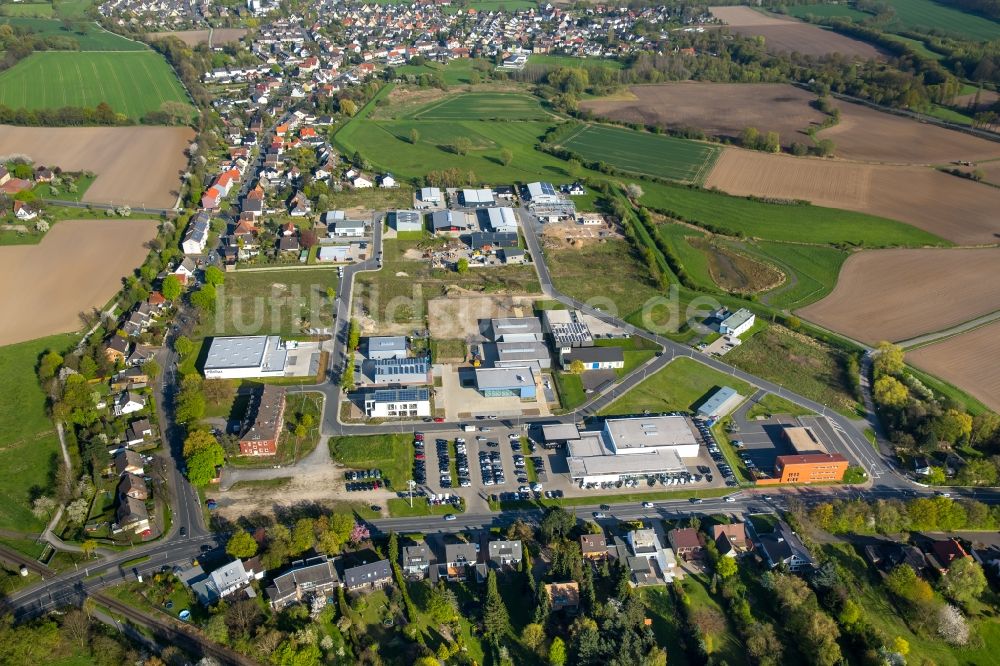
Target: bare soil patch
x,y
970,361
987,98
459,316
781,34
196,37
866,134
954,208
573,235
735,272
900,294
138,166
718,109
77,266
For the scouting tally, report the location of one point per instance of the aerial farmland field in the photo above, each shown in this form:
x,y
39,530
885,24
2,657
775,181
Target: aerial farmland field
x,y
789,35
927,15
90,36
483,106
133,83
919,291
970,361
643,153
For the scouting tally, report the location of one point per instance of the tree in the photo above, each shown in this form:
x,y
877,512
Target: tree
x,y
88,548
214,276
506,156
965,581
241,545
953,426
190,403
890,392
151,369
204,298
303,536
772,143
750,138
952,625
183,345
888,359
348,107
202,463
49,366
763,644
825,147
936,476
496,621
557,523
462,145
198,440
462,266
576,367
76,627
557,652
414,135
170,288
726,567
533,635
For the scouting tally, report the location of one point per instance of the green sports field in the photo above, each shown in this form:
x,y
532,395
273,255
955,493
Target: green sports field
x,y
483,106
93,37
643,153
133,83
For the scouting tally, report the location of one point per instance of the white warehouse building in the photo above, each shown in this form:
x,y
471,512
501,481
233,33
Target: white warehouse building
x,y
737,323
398,403
245,357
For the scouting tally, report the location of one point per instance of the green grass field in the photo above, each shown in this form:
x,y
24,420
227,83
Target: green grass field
x,y
681,386
800,364
492,6
795,223
926,15
132,83
483,106
811,271
94,38
30,444
572,61
643,153
827,11
31,9
273,302
393,454
454,72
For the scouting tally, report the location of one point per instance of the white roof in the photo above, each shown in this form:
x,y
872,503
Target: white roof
x,y
502,219
738,318
482,196
249,351
432,194
504,378
650,432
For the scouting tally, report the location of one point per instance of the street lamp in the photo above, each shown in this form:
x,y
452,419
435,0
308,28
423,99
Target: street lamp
x,y
410,484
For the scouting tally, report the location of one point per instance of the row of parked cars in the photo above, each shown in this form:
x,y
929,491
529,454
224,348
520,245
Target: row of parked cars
x,y
491,468
419,459
716,453
363,474
357,487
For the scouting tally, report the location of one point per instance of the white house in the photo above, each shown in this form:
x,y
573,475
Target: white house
x,y
737,323
348,229
127,403
361,183
196,236
542,193
24,211
595,358
387,181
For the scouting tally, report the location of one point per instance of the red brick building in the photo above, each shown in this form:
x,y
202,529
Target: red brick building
x,y
263,422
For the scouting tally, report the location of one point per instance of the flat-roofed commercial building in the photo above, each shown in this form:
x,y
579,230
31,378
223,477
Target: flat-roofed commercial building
x,y
542,193
448,220
595,358
246,356
556,434
402,371
477,198
737,323
720,403
408,220
502,220
386,347
507,382
646,434
516,329
591,460
809,468
515,354
803,440
397,403
567,328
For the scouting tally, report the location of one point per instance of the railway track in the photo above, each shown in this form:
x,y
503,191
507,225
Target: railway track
x,y
12,556
168,631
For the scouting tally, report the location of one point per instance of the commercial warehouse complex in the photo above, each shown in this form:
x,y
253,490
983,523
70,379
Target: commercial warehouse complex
x,y
245,357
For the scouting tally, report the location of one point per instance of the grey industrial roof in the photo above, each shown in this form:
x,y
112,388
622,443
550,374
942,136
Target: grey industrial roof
x,y
445,219
480,196
408,218
480,239
499,219
349,224
430,194
249,351
738,318
387,343
560,432
650,431
504,378
521,351
596,354
655,462
509,325
717,400
401,366
539,188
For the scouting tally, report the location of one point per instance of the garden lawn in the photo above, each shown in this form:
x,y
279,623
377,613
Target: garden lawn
x,y
570,387
666,623
643,153
273,302
723,646
798,363
93,37
483,106
399,507
804,223
393,454
572,61
773,404
680,386
133,83
30,445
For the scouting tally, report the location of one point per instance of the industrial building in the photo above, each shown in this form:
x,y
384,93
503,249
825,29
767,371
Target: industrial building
x,y
430,196
500,220
529,352
347,229
396,403
737,323
720,403
516,329
542,193
263,422
448,220
407,220
567,329
506,382
387,371
386,347
477,198
808,468
243,357
595,358
632,448
487,241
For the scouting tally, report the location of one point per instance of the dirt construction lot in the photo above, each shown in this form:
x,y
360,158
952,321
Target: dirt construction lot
x,y
898,294
970,361
866,134
78,265
954,208
781,34
138,166
718,109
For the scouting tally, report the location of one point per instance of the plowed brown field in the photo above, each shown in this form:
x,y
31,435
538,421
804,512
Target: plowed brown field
x,y
899,294
718,109
138,166
866,134
954,208
970,361
77,266
782,34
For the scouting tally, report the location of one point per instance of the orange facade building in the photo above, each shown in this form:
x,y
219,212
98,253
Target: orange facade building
x,y
810,468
